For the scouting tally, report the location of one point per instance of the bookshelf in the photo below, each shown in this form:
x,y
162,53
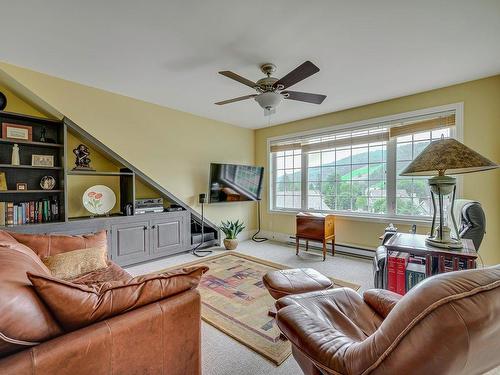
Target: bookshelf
x,y
165,232
34,196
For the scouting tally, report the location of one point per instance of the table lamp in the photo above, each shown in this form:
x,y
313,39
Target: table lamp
x,y
449,156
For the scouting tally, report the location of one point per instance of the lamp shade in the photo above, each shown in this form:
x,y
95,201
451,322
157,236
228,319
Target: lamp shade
x,y
447,156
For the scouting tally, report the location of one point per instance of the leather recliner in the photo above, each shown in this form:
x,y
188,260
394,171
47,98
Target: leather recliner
x,y
447,324
471,223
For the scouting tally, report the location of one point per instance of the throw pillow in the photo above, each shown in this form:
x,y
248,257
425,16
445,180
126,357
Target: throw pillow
x,y
76,263
76,306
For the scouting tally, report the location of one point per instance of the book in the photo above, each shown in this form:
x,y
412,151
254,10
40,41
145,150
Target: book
x,y
415,273
9,218
3,213
391,271
401,262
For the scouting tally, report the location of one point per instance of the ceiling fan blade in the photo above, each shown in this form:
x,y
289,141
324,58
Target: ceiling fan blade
x,y
236,99
238,78
298,74
304,96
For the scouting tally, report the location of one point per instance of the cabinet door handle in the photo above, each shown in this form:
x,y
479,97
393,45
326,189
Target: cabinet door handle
x,y
145,227
153,227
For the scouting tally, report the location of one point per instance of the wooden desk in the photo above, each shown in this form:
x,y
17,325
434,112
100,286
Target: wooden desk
x,y
315,227
415,244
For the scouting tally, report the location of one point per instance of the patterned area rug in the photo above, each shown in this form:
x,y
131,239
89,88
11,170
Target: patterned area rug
x,y
235,301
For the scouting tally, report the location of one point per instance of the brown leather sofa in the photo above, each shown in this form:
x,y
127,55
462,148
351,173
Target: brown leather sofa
x,y
448,324
159,338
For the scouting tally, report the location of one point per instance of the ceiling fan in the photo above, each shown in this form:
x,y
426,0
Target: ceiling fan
x,y
271,91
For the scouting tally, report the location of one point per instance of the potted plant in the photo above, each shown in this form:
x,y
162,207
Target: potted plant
x,y
231,229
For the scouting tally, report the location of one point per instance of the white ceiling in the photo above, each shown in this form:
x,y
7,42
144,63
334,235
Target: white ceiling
x,y
168,52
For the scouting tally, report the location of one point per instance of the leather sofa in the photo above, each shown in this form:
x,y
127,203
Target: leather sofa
x,y
447,324
471,223
158,338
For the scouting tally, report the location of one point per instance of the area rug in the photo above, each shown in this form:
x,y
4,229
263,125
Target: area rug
x,y
235,301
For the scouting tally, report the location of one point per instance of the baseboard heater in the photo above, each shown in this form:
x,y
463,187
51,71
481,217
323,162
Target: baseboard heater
x,y
339,248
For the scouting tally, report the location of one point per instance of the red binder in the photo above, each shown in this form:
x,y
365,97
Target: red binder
x,y
391,271
401,262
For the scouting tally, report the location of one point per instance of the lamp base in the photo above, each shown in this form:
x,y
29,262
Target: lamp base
x,y
451,244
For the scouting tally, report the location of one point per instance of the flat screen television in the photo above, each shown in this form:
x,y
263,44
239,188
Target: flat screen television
x,y
235,183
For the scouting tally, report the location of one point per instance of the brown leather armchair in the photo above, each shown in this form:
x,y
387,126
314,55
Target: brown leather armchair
x,y
448,324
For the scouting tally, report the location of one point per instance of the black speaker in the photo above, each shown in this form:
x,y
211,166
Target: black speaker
x,y
202,198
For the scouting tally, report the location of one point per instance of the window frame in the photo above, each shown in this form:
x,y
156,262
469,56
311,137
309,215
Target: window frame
x,y
456,132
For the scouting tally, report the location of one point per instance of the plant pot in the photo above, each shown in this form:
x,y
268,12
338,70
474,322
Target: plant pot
x,y
230,244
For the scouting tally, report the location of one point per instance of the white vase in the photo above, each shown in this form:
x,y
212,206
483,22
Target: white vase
x,y
15,154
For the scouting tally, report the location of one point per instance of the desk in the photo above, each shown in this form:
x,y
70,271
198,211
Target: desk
x,y
315,227
415,244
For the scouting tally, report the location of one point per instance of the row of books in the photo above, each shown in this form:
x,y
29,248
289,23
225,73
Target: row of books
x,y
32,212
404,271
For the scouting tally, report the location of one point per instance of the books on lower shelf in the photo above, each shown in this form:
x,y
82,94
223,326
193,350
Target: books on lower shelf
x,y
32,212
400,267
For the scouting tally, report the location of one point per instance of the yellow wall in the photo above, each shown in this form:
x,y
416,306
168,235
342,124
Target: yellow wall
x,y
18,105
172,147
481,132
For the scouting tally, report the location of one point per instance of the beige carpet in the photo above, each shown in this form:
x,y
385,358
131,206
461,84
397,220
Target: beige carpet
x,y
235,301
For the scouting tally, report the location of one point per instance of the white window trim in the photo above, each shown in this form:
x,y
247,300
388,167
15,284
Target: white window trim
x,y
457,132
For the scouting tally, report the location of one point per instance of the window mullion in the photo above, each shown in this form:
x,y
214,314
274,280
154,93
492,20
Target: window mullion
x,y
272,191
391,177
303,180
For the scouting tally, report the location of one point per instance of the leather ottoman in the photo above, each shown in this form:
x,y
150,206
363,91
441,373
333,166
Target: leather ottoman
x,y
294,281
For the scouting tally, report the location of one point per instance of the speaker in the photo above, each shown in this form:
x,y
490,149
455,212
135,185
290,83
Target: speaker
x,y
202,198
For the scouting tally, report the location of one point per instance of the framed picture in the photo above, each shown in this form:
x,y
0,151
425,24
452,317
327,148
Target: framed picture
x,y
42,160
16,131
21,186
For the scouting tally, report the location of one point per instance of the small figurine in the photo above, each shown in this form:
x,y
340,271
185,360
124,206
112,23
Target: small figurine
x,y
15,154
82,161
43,135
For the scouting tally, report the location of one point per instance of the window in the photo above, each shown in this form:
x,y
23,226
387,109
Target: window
x,y
355,170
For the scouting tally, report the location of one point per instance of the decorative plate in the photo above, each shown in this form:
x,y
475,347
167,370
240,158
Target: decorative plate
x,y
47,182
99,199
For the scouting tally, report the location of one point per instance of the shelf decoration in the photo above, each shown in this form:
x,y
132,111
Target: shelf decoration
x,y
82,162
47,182
3,181
42,160
21,186
15,155
99,199
16,131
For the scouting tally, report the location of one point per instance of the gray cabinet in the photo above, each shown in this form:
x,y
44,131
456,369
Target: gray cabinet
x,y
142,240
130,242
169,234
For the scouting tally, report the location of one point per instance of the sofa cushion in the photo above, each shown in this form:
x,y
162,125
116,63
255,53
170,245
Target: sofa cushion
x,y
76,263
76,305
50,244
113,272
24,318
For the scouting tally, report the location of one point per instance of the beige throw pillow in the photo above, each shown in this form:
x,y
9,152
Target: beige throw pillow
x,y
75,263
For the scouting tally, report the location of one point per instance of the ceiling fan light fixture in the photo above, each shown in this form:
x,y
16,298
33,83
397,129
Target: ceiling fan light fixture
x,y
269,100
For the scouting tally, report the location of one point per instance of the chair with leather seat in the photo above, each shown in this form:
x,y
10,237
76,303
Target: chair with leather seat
x,y
471,223
447,324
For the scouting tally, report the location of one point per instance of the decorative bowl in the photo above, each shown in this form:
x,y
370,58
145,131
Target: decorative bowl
x,y
99,199
47,182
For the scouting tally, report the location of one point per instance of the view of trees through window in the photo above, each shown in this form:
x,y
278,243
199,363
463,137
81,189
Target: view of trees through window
x,y
354,178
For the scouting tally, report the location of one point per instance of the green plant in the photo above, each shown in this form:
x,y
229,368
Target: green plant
x,y
232,228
